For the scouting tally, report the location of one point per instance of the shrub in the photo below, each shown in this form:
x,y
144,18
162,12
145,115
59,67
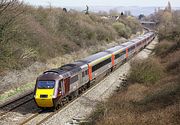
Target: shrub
x,y
173,63
146,71
122,29
97,114
162,48
133,24
39,34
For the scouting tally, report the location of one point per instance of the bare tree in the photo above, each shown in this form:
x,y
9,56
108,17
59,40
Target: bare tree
x,y
10,10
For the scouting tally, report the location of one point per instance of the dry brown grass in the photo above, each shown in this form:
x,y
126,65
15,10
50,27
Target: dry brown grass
x,y
139,104
173,62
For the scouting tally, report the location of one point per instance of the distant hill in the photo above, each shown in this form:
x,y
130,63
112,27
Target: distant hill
x,y
135,10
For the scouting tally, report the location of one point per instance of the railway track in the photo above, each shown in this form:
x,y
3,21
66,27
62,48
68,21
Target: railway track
x,y
14,104
38,119
40,116
43,115
48,113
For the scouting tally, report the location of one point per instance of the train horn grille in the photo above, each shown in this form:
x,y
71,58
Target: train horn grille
x,y
43,96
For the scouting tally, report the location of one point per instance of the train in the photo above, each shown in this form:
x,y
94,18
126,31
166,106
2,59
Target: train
x,y
56,87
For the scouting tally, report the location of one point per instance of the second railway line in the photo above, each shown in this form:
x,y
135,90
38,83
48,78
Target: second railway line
x,y
36,112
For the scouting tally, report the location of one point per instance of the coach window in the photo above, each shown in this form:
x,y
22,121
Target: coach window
x,y
74,79
124,52
101,64
117,55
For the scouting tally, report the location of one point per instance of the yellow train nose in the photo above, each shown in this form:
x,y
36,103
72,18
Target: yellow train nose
x,y
44,102
43,97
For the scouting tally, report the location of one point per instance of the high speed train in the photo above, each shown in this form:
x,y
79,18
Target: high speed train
x,y
57,86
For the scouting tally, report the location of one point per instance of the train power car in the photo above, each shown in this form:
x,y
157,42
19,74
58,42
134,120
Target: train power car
x,y
57,86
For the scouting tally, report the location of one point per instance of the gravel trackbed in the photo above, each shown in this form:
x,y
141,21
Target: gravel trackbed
x,y
83,106
80,108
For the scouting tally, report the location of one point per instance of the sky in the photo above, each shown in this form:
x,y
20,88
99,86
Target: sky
x,y
141,3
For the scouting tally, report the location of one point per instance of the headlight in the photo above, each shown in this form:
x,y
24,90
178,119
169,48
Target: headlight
x,y
35,96
50,95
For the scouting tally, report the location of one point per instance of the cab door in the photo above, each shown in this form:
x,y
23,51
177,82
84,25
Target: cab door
x,y
66,85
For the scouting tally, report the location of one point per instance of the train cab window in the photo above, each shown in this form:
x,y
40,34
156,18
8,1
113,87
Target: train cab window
x,y
46,84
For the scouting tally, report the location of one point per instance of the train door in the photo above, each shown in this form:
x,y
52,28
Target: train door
x,y
80,78
127,53
90,71
66,85
113,60
85,77
60,89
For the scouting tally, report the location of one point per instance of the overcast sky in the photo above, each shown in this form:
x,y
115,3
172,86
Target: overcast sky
x,y
61,3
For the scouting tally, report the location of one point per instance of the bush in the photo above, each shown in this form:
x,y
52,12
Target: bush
x,y
164,48
146,71
39,34
97,114
122,30
173,63
133,24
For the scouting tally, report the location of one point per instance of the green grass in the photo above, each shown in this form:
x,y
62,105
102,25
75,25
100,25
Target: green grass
x,y
16,91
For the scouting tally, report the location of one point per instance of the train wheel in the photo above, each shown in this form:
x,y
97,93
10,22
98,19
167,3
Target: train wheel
x,y
58,106
88,84
70,98
43,108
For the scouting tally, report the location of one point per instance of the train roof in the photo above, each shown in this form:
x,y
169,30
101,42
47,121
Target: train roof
x,y
65,70
114,49
80,63
135,40
140,37
127,44
94,57
58,71
148,34
69,67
